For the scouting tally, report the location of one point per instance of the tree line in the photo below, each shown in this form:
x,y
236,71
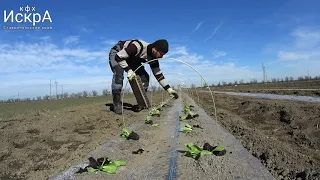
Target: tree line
x,y
66,95
255,81
107,92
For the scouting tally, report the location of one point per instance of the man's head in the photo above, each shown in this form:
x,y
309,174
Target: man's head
x,y
160,48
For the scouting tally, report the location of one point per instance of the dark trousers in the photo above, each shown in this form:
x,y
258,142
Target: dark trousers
x,y
118,72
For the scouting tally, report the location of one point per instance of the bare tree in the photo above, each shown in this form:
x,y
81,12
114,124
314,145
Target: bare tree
x,y
85,94
94,93
106,92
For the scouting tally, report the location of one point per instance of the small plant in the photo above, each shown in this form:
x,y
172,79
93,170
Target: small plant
x,y
188,113
155,112
187,108
149,120
102,164
186,128
129,134
216,150
195,151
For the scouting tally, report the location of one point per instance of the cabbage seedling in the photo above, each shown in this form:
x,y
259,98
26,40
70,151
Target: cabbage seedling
x,y
129,134
155,112
102,164
149,120
216,150
195,151
188,113
186,128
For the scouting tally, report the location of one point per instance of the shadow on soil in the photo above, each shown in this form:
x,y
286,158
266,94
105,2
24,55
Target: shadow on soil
x,y
126,106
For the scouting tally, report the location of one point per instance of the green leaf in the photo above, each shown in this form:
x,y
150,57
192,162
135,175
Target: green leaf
x,y
149,118
218,148
155,125
90,169
110,168
154,111
204,152
191,113
184,117
125,133
188,126
195,151
186,129
193,148
120,163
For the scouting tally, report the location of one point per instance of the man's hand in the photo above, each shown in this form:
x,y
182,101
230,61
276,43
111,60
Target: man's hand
x,y
131,75
173,93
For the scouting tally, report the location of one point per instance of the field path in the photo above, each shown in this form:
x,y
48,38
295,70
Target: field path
x,y
162,157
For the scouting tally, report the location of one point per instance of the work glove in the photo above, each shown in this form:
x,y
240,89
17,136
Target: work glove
x,y
173,93
131,75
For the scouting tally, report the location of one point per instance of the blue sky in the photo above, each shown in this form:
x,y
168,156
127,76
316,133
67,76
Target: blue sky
x,y
223,40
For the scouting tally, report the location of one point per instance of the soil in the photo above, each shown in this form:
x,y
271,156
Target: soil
x,y
297,88
41,143
280,136
284,135
292,92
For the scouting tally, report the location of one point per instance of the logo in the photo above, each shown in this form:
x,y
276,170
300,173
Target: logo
x,y
27,18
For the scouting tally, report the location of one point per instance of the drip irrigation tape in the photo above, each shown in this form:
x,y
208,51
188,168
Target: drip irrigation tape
x,y
173,161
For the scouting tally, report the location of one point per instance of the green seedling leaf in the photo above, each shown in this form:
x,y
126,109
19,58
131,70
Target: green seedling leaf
x,y
149,118
219,151
184,117
193,148
155,125
195,151
187,128
218,148
105,166
154,111
188,125
188,113
120,163
90,169
187,108
125,133
205,152
191,113
110,168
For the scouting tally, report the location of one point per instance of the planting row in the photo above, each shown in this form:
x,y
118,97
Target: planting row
x,y
194,151
104,164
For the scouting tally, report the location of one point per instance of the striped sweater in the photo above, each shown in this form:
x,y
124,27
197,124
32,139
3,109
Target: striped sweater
x,y
138,50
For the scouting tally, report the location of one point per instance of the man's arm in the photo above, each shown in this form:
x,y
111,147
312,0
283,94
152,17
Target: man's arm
x,y
123,55
155,67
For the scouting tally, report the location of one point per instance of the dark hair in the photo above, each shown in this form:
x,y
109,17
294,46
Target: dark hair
x,y
161,45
